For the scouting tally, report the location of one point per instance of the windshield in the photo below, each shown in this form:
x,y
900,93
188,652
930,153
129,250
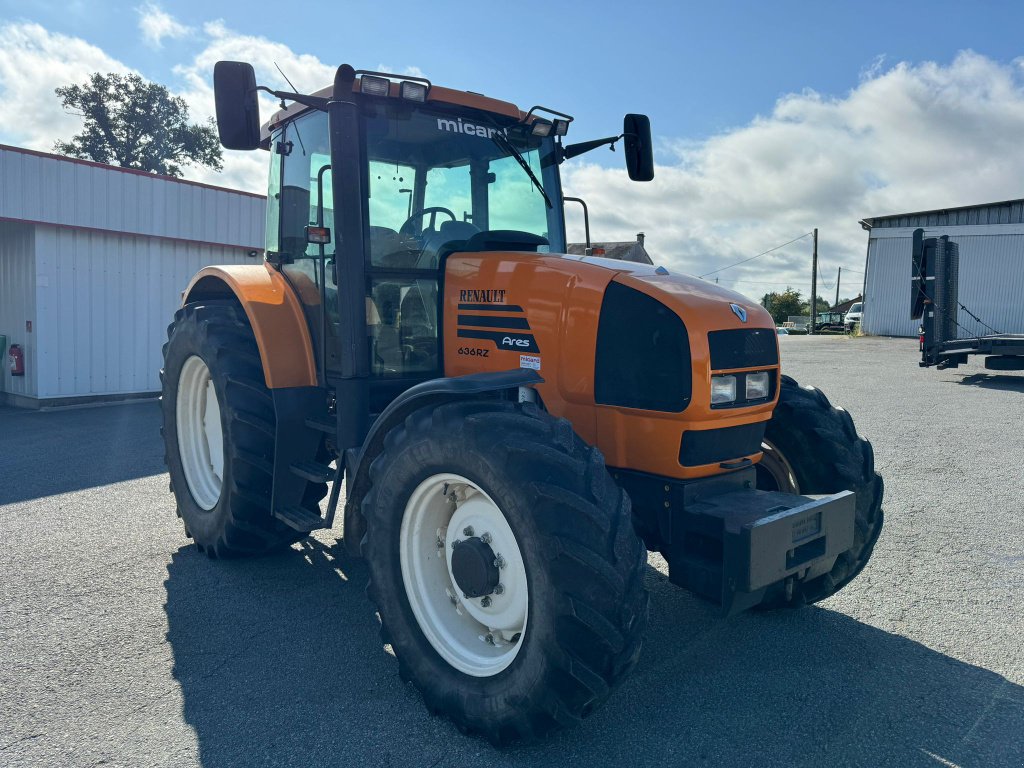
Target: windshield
x,y
855,307
437,178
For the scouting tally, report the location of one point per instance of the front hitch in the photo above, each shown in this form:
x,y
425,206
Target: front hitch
x,y
729,542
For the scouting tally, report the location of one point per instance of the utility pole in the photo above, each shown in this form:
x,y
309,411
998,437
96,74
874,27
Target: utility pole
x,y
838,278
814,283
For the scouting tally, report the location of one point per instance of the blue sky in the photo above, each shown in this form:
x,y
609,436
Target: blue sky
x,y
696,68
770,118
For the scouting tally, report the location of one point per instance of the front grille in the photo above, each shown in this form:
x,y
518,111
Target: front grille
x,y
743,348
711,446
643,353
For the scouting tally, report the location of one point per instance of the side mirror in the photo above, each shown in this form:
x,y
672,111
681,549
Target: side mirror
x,y
238,110
636,131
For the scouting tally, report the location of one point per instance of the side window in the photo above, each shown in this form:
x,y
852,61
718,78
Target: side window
x,y
304,150
273,234
402,321
391,190
391,187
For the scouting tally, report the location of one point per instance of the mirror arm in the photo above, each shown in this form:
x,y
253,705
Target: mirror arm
x,y
316,102
573,150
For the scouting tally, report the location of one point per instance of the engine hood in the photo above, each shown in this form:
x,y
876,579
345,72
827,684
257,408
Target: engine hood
x,y
690,296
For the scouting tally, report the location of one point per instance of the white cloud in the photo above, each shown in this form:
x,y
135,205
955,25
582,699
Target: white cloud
x,y
34,61
245,170
912,137
156,24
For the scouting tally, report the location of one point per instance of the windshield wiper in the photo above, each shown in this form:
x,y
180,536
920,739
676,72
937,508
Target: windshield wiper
x,y
503,143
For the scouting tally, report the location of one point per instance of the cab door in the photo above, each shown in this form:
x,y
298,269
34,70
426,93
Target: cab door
x,y
300,195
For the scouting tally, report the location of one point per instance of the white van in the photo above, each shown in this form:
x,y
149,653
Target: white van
x,y
853,316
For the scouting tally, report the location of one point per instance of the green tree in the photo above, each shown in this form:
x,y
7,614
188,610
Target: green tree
x,y
136,124
782,305
823,306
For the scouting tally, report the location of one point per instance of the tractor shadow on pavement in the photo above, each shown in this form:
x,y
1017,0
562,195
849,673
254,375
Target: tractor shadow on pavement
x,y
279,662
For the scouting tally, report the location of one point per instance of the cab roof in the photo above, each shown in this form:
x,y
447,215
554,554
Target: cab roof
x,y
436,94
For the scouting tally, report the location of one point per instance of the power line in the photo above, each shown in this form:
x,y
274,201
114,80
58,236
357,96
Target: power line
x,y
763,253
765,282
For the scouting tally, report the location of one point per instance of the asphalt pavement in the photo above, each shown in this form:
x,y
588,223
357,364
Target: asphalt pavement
x,y
121,645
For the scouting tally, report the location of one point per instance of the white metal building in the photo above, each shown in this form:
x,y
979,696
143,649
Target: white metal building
x,y
991,240
93,259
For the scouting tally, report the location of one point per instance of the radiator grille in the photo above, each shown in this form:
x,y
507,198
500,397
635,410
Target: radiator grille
x,y
743,348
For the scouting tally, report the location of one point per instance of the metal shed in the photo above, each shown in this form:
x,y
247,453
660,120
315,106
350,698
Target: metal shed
x,y
93,259
991,240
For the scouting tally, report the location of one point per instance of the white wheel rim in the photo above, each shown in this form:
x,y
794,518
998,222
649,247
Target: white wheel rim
x,y
200,437
477,636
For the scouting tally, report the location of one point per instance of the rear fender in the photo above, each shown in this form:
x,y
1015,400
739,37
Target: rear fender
x,y
275,314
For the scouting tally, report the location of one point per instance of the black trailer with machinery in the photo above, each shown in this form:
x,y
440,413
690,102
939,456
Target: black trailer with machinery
x,y
935,301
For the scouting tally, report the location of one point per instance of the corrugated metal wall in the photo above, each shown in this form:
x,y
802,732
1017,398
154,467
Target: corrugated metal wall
x,y
104,303
17,304
46,188
991,279
97,258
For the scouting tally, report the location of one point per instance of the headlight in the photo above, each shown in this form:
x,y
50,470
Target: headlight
x,y
723,389
757,385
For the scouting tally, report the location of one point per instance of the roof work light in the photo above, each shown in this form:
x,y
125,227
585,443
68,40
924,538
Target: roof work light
x,y
374,86
541,128
412,91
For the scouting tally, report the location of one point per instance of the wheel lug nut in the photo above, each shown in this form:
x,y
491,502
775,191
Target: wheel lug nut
x,y
499,589
486,538
454,543
467,531
485,601
499,561
489,639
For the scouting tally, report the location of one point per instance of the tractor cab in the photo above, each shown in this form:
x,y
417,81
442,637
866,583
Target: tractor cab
x,y
437,178
375,181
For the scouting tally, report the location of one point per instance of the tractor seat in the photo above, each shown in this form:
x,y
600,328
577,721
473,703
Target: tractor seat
x,y
434,242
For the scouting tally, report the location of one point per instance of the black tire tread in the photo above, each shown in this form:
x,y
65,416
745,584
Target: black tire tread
x,y
821,443
226,341
601,612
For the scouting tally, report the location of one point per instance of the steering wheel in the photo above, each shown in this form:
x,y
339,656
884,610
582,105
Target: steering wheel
x,y
406,229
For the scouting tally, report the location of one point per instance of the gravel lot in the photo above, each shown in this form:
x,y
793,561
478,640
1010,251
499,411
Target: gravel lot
x,y
121,645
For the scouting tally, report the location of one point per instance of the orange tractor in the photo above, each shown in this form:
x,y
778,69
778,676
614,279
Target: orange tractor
x,y
514,427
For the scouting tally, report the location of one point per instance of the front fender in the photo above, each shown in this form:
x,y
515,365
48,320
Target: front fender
x,y
433,392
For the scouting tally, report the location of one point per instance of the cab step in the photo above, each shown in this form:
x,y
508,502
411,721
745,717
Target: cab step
x,y
325,424
300,518
313,471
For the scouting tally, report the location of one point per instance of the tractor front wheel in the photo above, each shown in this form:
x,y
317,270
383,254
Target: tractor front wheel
x,y
812,447
504,567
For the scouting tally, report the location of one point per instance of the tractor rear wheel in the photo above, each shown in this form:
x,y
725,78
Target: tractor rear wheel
x,y
812,447
504,567
218,429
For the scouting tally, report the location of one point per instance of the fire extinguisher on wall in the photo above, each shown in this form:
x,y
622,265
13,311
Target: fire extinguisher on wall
x,y
16,356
